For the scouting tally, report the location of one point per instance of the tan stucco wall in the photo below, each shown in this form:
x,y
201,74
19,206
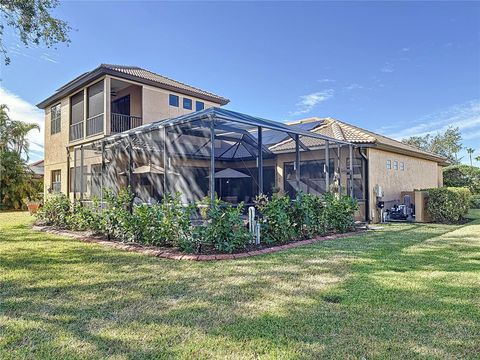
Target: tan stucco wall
x,y
150,103
418,174
156,104
55,146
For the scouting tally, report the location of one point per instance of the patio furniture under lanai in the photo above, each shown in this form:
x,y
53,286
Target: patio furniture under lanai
x,y
263,155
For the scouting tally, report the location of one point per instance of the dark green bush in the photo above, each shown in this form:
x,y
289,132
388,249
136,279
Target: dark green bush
x,y
307,213
85,217
117,220
277,222
475,202
224,231
339,213
462,176
56,211
448,204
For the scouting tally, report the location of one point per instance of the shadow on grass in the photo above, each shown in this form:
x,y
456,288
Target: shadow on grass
x,y
406,291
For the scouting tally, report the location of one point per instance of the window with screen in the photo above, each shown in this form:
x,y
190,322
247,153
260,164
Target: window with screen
x,y
402,166
77,109
55,119
95,99
395,165
389,164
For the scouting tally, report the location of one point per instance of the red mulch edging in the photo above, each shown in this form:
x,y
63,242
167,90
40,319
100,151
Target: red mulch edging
x,y
177,255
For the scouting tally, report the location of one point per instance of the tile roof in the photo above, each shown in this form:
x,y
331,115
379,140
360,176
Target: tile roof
x,y
161,80
342,131
133,73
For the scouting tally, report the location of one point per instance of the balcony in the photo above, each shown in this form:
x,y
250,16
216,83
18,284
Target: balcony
x,y
95,125
120,123
76,131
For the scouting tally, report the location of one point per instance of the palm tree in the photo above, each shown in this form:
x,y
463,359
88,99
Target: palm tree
x,y
478,158
470,151
13,134
19,132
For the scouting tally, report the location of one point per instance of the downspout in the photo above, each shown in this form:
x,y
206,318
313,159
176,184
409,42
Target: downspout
x,y
367,186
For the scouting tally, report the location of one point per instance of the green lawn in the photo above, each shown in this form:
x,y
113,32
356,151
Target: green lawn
x,y
408,291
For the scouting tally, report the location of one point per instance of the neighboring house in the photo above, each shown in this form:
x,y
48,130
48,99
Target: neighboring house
x,y
38,169
128,97
107,100
385,162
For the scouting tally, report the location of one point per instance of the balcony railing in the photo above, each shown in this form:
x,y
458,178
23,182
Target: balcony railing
x,y
95,125
76,131
120,123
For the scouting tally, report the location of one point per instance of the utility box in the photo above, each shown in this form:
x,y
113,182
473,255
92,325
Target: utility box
x,y
421,199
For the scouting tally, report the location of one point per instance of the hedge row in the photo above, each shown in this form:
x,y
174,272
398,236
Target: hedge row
x,y
448,204
221,226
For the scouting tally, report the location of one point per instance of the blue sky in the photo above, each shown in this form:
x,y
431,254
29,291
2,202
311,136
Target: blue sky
x,y
396,68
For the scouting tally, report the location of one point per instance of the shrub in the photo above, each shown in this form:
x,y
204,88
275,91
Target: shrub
x,y
339,213
83,217
172,221
224,231
475,202
448,204
308,215
277,223
462,176
117,220
56,211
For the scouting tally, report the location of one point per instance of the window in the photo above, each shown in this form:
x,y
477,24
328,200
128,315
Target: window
x,y
312,177
77,114
395,165
389,164
402,166
199,105
187,103
173,100
56,181
55,119
95,99
77,108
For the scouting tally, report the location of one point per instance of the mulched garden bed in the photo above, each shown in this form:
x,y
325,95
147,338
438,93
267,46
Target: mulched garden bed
x,y
173,253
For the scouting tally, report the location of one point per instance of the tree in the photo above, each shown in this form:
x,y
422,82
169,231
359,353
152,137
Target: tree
x,y
478,158
462,176
32,20
447,144
470,152
16,179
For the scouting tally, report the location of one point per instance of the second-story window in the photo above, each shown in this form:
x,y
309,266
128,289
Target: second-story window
x,y
395,165
199,105
55,119
187,103
173,100
95,109
77,114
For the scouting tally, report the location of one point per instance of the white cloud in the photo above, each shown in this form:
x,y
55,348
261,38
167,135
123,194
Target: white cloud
x,y
465,116
326,80
387,68
22,110
354,86
308,102
406,49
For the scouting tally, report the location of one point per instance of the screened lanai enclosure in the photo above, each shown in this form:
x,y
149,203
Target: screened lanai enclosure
x,y
217,151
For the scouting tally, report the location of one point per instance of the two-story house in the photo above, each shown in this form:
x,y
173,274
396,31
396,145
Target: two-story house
x,y
107,100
